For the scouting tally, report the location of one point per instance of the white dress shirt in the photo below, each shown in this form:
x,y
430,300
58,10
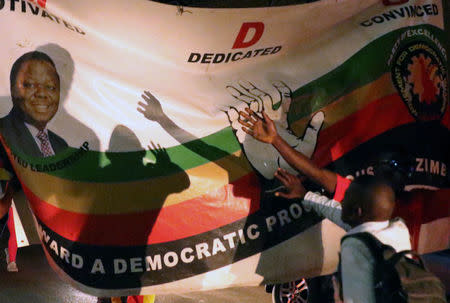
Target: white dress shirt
x,y
34,132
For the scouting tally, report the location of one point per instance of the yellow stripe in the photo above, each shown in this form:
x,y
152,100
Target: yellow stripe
x,y
138,196
149,299
350,103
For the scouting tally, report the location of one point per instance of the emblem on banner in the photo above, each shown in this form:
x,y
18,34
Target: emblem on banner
x,y
419,74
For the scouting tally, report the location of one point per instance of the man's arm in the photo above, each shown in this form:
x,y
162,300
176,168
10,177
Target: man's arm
x,y
357,267
323,177
325,207
264,130
322,205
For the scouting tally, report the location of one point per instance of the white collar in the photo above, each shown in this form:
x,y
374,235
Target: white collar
x,y
33,130
370,226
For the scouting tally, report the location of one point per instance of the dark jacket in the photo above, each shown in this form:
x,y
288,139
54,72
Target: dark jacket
x,y
18,137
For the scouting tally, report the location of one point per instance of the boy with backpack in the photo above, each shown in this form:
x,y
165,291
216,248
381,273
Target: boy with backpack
x,y
367,208
374,261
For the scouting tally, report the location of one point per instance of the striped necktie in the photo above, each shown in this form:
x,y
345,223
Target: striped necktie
x,y
46,149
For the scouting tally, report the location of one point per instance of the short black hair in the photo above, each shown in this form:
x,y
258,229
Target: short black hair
x,y
362,188
34,55
359,188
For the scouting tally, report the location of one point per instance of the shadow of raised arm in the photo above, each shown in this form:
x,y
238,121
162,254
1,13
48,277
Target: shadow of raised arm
x,y
152,110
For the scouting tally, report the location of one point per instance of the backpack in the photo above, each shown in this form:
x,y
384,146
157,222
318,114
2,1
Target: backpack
x,y
399,278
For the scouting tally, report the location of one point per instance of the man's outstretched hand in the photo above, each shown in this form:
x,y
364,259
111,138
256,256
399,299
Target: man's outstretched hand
x,y
292,183
248,95
262,129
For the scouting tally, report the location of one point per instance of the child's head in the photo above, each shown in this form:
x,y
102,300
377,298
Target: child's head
x,y
368,198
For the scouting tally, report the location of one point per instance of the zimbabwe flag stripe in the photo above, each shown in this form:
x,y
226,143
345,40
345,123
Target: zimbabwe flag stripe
x,y
109,198
360,127
350,103
207,212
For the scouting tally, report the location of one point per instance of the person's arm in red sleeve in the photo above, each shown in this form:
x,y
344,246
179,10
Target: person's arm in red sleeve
x,y
341,187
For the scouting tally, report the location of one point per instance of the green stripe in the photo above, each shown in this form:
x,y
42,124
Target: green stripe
x,y
365,66
94,166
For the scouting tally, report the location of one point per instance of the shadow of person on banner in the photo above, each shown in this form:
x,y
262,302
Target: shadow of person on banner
x,y
236,166
130,223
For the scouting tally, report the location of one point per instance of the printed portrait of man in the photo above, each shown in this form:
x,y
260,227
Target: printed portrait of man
x,y
35,94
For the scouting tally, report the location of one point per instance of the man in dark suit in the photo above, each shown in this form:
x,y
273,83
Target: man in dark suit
x,y
35,93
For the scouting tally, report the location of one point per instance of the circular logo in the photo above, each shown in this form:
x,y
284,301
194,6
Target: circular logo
x,y
419,74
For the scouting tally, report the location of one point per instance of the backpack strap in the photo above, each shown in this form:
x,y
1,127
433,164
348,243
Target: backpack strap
x,y
377,250
413,257
374,245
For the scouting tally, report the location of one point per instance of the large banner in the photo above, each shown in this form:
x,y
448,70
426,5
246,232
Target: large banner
x,y
120,119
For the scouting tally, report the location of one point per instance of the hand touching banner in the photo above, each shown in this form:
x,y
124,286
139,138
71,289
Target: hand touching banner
x,y
263,157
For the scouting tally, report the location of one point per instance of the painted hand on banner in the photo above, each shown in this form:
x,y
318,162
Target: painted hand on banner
x,y
264,157
248,95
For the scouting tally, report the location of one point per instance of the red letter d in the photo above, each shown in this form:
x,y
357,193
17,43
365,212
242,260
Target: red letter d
x,y
259,29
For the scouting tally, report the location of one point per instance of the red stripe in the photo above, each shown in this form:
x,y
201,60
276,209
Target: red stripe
x,y
422,206
374,119
12,241
135,299
436,204
207,212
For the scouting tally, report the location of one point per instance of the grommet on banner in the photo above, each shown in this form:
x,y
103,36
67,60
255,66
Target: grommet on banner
x,y
394,2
